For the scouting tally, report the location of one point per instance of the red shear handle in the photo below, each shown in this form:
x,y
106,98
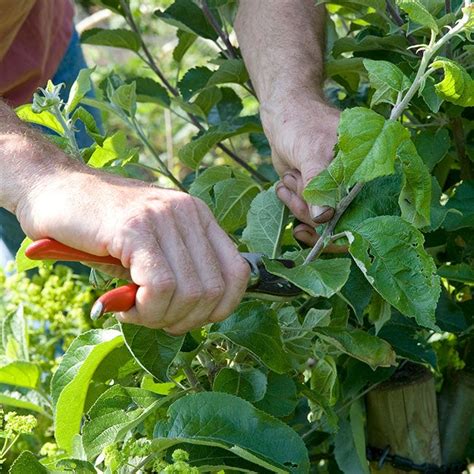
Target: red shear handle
x,y
119,299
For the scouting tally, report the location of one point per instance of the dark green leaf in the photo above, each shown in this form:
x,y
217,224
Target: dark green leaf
x,y
255,326
193,81
227,108
187,16
185,41
390,253
462,201
210,418
418,13
249,384
27,463
153,349
119,38
461,272
148,90
432,146
449,316
369,43
281,396
318,278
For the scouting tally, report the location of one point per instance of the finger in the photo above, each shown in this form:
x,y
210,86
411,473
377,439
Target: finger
x,y
298,207
207,267
150,270
235,272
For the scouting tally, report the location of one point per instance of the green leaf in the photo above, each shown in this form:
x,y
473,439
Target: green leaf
x,y
185,41
20,374
324,381
207,100
22,262
187,16
153,349
148,90
349,443
230,71
457,86
119,38
318,278
463,202
357,292
78,466
266,222
71,381
417,12
226,108
369,43
368,147
23,398
192,153
233,198
210,418
390,253
380,312
79,89
15,336
281,397
449,316
45,118
194,81
204,183
432,146
89,123
255,326
429,95
249,384
345,70
387,79
461,272
114,414
415,196
125,97
27,463
359,344
113,148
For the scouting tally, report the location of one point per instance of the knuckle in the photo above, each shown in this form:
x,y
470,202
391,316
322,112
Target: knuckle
x,y
214,292
192,294
164,284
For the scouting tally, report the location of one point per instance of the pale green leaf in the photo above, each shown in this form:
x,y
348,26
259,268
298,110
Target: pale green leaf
x,y
119,38
22,262
249,384
70,382
390,253
318,278
457,86
153,349
25,399
324,381
415,196
185,41
20,374
15,336
417,12
125,97
27,463
254,326
114,414
79,89
359,344
45,118
210,418
113,148
266,222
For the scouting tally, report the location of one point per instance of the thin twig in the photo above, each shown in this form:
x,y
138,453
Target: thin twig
x,y
343,205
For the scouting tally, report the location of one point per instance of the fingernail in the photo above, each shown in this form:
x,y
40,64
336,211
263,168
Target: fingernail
x,y
320,213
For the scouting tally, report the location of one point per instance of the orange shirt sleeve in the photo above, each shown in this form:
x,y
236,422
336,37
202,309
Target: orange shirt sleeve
x,y
12,15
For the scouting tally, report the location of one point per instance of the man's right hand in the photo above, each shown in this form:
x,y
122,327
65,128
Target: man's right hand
x,y
188,270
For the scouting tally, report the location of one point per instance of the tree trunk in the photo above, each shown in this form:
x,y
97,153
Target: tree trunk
x,y
456,414
402,413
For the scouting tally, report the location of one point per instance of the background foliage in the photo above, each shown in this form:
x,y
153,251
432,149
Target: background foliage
x,y
278,386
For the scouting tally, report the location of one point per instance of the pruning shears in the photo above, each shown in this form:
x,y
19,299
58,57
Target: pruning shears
x,y
261,284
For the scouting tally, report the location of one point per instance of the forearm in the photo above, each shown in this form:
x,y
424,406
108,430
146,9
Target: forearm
x,y
27,159
282,42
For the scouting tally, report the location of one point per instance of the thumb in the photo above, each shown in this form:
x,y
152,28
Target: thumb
x,y
310,169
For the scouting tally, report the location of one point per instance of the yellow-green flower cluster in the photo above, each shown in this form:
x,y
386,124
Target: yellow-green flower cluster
x,y
15,424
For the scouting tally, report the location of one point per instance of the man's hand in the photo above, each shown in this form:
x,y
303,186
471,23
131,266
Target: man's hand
x,y
188,270
282,42
302,133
